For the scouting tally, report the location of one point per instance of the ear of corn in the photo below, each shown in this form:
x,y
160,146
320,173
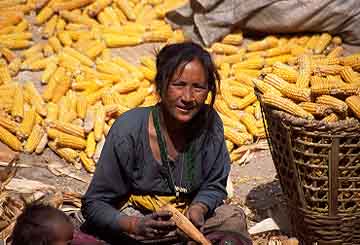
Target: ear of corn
x,y
68,154
303,79
334,103
286,105
90,144
34,139
316,109
331,118
8,124
10,140
67,128
27,124
42,144
87,162
17,110
354,104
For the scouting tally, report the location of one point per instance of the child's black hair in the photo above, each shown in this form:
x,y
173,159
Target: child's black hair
x,y
174,56
35,226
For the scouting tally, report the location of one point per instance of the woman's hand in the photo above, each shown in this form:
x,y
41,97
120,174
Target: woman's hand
x,y
156,224
196,214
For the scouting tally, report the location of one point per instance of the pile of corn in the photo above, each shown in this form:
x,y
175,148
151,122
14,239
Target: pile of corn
x,y
315,87
85,89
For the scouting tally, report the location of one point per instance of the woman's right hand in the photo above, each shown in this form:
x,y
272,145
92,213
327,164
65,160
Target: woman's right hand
x,y
156,224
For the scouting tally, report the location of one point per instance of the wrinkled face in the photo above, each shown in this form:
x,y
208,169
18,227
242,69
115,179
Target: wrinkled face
x,y
64,233
187,92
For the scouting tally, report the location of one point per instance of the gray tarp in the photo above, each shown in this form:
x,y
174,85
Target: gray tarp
x,y
209,20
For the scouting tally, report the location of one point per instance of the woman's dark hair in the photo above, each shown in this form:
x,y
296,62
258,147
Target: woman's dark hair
x,y
174,56
35,225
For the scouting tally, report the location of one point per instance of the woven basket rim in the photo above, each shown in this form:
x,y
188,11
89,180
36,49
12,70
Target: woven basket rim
x,y
350,125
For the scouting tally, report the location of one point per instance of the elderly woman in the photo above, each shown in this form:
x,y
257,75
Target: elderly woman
x,y
173,152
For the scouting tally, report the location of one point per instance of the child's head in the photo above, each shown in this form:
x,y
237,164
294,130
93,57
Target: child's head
x,y
42,225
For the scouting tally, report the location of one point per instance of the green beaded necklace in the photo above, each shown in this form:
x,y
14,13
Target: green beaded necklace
x,y
188,154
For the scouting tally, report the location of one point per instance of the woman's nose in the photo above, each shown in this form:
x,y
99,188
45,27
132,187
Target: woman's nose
x,y
187,95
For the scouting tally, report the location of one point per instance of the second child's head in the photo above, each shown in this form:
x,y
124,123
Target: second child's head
x,y
42,225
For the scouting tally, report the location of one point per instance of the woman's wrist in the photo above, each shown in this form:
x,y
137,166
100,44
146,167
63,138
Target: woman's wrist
x,y
128,224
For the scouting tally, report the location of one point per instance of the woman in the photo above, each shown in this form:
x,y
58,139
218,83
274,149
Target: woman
x,y
173,152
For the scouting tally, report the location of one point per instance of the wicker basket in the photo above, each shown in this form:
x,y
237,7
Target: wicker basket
x,y
319,169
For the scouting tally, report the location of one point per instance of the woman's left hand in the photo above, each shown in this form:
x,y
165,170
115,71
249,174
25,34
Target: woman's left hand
x,y
196,214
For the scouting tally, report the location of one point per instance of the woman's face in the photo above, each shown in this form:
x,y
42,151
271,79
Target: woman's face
x,y
187,92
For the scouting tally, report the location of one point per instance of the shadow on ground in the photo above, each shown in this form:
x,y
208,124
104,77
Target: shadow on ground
x,y
268,201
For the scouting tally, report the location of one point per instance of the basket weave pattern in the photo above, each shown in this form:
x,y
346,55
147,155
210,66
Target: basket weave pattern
x,y
319,170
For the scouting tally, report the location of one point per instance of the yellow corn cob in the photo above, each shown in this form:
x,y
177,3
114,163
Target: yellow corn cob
x,y
234,124
35,57
67,140
78,19
286,72
236,137
229,145
230,59
249,121
167,6
81,107
126,8
157,36
250,72
61,88
244,78
303,79
5,76
95,8
88,163
95,50
348,75
48,50
298,50
56,78
254,63
316,109
17,110
55,44
71,5
9,139
322,43
113,41
14,67
36,100
244,102
8,124
82,58
42,144
68,154
149,74
325,61
289,90
311,44
286,105
52,112
221,48
281,58
240,90
48,72
109,11
277,51
99,123
8,54
354,103
27,124
60,25
233,39
149,62
65,38
268,42
331,118
67,128
334,103
257,111
104,19
336,40
177,37
323,70
138,97
120,14
336,52
265,87
90,145
44,15
34,139
49,28
98,149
